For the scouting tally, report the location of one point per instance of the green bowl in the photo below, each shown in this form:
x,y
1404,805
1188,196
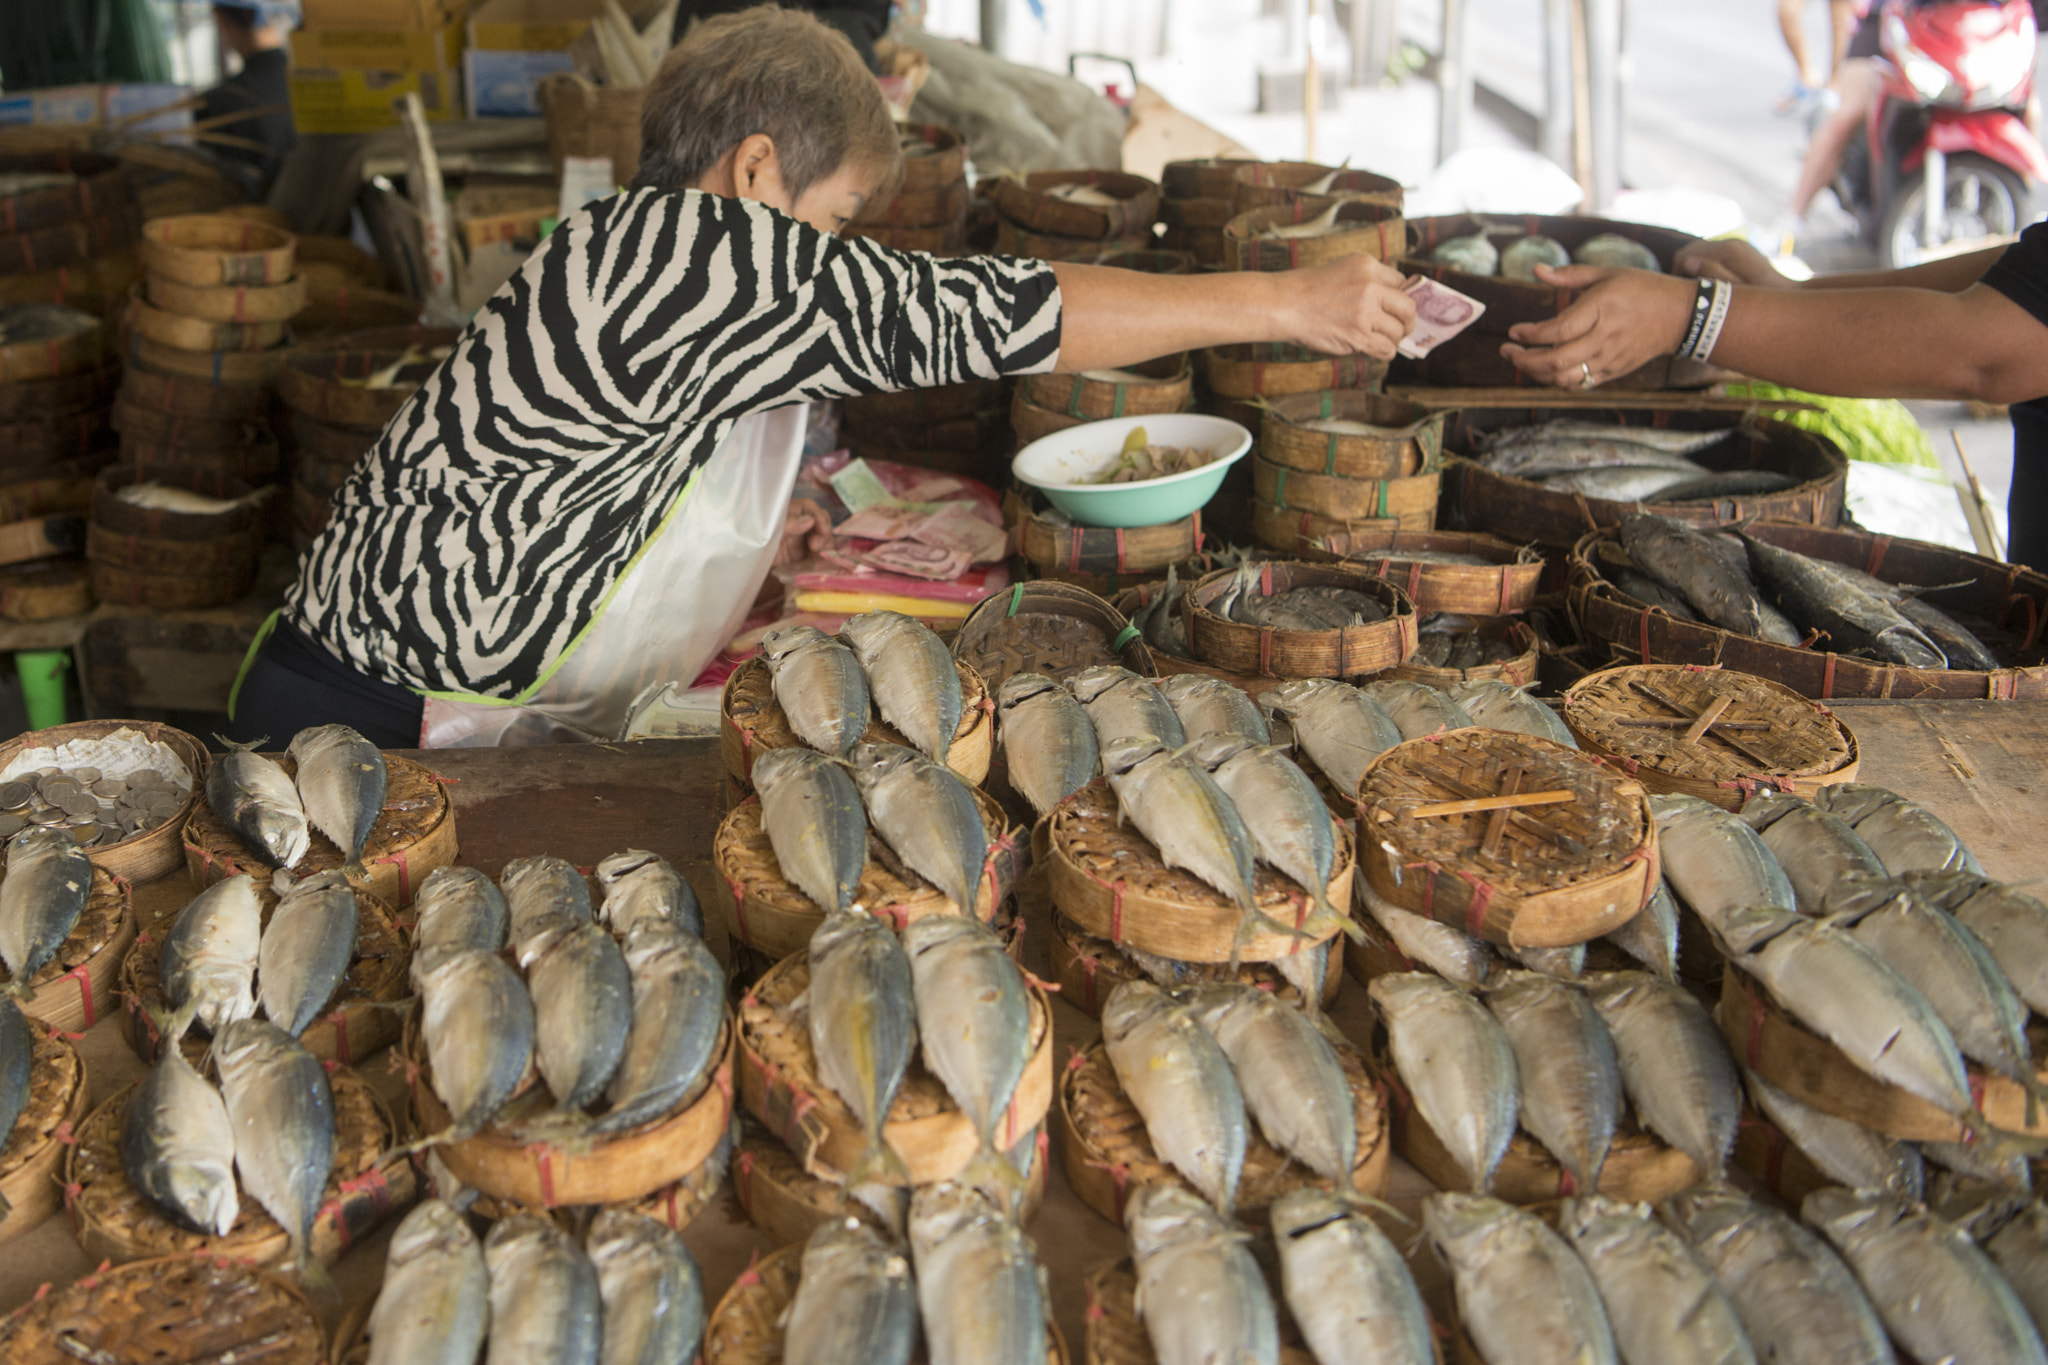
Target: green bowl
x,y
1056,464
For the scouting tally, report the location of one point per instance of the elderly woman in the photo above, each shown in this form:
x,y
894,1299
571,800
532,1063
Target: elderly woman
x,y
558,516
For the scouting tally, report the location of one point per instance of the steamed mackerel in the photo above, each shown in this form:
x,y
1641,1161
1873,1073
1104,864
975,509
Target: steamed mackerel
x,y
1337,726
341,779
582,1009
47,883
815,822
178,1148
1714,862
17,1067
855,1300
256,798
2012,925
1417,709
1448,951
1502,706
305,950
678,1012
1674,1064
820,687
1284,813
1207,706
282,1111
1567,1070
478,1023
1522,1294
1458,1065
1651,938
1565,964
1662,1302
912,678
2020,1251
640,888
1347,1285
545,1304
1182,1083
1905,835
863,1027
978,1283
1200,1293
209,957
926,815
543,894
1290,1077
1179,807
653,1296
1844,1151
1814,848
1048,740
974,1019
457,909
435,1303
1122,705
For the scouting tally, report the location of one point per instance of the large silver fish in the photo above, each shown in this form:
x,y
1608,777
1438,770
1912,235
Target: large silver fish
x,y
1288,1074
256,798
1179,807
854,1302
341,781
543,893
639,887
1286,816
178,1148
1522,1294
1207,706
477,1020
582,1009
820,687
1503,706
1676,1067
1445,949
1815,848
209,956
863,1027
1624,483
17,1067
1122,705
815,822
1565,964
47,883
1715,862
1455,1060
1686,561
1844,1151
1337,726
1347,1285
2010,923
1538,450
1941,1297
305,950
912,678
1200,1293
2020,1250
1973,1166
1651,938
1417,709
927,815
282,1112
1799,1304
1048,740
435,1303
1181,1081
653,1296
974,1022
978,1283
545,1304
1565,1063
1662,1302
678,1010
1905,835
458,909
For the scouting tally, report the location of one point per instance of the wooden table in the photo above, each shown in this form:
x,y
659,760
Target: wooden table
x,y
1980,765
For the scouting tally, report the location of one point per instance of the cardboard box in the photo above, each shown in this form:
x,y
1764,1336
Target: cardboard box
x,y
378,49
345,100
102,104
428,15
507,84
513,44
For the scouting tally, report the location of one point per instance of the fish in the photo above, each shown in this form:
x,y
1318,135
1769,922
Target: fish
x,y
543,894
1854,619
1955,640
1623,483
1940,1296
1662,1301
2020,1251
678,1013
1496,705
912,678
42,897
163,497
457,909
1650,593
1679,557
1651,938
652,1293
1714,861
1048,740
981,1293
1159,619
434,1306
17,1069
820,686
1615,252
1347,1285
341,781
545,1302
582,1010
1844,1151
256,798
1122,705
1473,254
815,822
178,1147
1562,964
1449,952
208,960
306,950
1777,627
927,816
1200,1293
863,1029
1286,816
1905,835
854,1302
282,1112
1082,194
478,1023
1568,1074
1981,1165
1181,1081
1816,849
1522,1294
1324,224
2011,925
1207,705
1457,1063
1340,728
1798,1303
1680,1078
1978,1207
1727,483
641,887
1541,449
1292,1083
1520,260
974,1026
1417,709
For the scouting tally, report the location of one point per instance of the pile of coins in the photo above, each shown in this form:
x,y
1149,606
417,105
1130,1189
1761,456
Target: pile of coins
x,y
92,808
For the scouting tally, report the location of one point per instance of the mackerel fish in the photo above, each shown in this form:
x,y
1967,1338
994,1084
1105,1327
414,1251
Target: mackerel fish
x,y
1122,705
582,1011
178,1148
1522,1294
815,822
1651,938
1339,727
1980,1165
974,1025
927,816
341,779
1206,705
42,896
435,1303
1662,1302
209,958
282,1112
545,1304
458,909
1417,709
678,1012
863,1028
1458,1065
2020,1251
2010,923
1681,559
1554,447
1564,964
820,687
543,894
1674,1064
1200,1293
1815,848
978,1282
1715,862
1446,950
1285,815
305,950
1291,1080
478,1023
256,798
1521,258
1048,740
912,678
1503,706
854,1302
1815,594
1567,1071
653,1296
1625,483
640,887
1905,835
1182,1082
1844,1151
17,1069
1347,1285
1159,619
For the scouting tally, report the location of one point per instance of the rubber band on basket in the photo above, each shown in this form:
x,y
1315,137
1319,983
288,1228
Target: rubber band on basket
x,y
1123,637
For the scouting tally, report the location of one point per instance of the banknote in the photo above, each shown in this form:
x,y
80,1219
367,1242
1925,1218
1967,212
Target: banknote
x,y
1440,314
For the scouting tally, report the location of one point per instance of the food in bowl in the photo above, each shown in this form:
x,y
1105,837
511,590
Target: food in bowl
x,y
1140,460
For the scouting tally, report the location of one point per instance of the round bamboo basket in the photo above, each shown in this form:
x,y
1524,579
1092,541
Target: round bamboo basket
x,y
1507,583
946,240
174,1308
1336,498
155,427
65,436
1013,239
36,400
751,721
1146,550
677,1204
61,246
1108,880
217,249
124,518
1788,743
38,539
1273,369
169,592
1263,650
253,462
341,445
75,341
150,854
261,213
63,489
1205,244
32,1153
1259,184
75,989
414,835
348,309
1575,870
1519,670
117,1222
101,182
1088,968
316,382
250,305
1031,422
942,166
1370,229
934,207
95,284
1106,1152
1168,387
47,590
1208,177
923,407
1031,204
226,557
215,367
181,396
330,263
780,1086
1049,628
1150,262
191,334
320,478
1207,213
1408,438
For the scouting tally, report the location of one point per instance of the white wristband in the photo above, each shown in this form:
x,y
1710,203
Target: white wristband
x,y
1724,294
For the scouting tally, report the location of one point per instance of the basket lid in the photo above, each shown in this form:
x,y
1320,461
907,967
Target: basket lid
x,y
1047,627
1708,724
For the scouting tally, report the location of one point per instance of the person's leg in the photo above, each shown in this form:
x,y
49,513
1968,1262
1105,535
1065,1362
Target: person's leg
x,y
1842,14
2026,505
1856,83
1792,24
293,683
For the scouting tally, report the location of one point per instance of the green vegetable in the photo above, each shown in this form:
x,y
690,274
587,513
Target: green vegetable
x,y
1879,430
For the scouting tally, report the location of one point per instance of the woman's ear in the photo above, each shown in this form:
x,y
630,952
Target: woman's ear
x,y
757,171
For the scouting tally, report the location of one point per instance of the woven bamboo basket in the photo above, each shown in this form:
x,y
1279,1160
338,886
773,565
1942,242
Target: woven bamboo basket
x,y
226,556
1144,550
942,166
1774,1161
1520,669
1259,184
1786,742
1150,262
2007,605
1346,653
354,1025
32,1153
1542,876
40,538
101,183
751,721
215,367
319,478
154,427
150,854
1507,583
1031,422
65,436
1050,628
117,1222
1205,244
330,263
96,284
60,246
109,512
46,590
349,310
1207,213
76,988
320,441
923,407
1408,438
959,436
948,239
1031,204
414,835
254,462
218,249
250,305
1088,968
36,400
1370,229
1106,1152
938,206
66,488
1209,177
1168,387
310,510
592,120
181,396
1336,498
1275,369
119,586
318,383
76,343
174,1308
677,1204
260,213
1013,239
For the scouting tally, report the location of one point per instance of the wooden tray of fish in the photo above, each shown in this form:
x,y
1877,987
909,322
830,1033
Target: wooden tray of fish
x,y
780,1086
1759,734
1345,500
414,835
351,388
1273,369
751,722
1254,184
1536,875
1109,882
1202,177
1468,573
149,854
1035,202
933,155
1509,653
1163,385
1270,651
1312,230
1050,628
2005,605
1107,1154
117,1222
32,1152
75,989
1088,968
1351,434
189,1307
122,517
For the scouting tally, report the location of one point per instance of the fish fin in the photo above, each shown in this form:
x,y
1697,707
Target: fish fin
x,y
20,990
319,1286
252,745
1997,1145
354,870
878,1165
1329,914
991,1169
1365,1203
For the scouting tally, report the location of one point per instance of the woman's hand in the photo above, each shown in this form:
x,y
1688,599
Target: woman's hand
x,y
1733,260
1348,305
1624,318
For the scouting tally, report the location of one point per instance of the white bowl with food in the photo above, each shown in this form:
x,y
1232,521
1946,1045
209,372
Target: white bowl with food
x,y
1133,471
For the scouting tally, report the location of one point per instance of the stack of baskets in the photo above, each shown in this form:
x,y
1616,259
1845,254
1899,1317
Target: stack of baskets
x,y
340,397
1045,403
957,428
929,212
54,382
1195,204
345,291
67,232
1075,215
1481,583
1333,462
164,560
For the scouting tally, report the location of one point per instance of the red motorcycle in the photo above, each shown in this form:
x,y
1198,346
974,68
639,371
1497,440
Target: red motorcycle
x,y
1947,159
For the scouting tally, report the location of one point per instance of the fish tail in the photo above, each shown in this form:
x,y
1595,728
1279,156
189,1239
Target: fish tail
x,y
231,745
171,1026
991,1169
1328,914
19,988
354,870
1997,1145
878,1165
318,1284
1353,1198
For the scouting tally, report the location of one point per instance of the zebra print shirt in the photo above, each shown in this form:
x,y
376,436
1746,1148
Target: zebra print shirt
x,y
485,527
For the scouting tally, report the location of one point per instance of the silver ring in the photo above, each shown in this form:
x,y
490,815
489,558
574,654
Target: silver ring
x,y
1587,370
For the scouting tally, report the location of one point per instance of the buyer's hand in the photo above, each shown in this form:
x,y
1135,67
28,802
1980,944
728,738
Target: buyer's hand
x,y
1349,305
1622,320
1733,260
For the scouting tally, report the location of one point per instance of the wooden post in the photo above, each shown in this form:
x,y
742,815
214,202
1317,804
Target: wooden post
x,y
1311,77
1453,81
1555,138
1603,79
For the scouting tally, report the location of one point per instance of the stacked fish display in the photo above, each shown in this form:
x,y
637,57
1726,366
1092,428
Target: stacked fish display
x,y
338,789
827,684
221,961
1622,464
42,897
1477,254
